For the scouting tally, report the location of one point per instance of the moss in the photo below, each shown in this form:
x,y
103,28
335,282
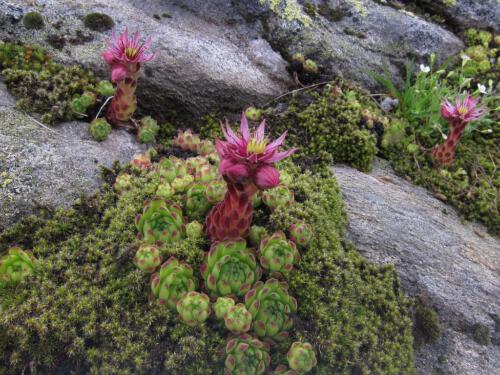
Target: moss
x,y
331,14
481,334
426,329
33,20
478,37
450,3
98,22
87,310
290,10
43,86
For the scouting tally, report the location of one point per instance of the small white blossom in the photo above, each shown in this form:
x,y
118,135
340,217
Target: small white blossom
x,y
465,57
482,88
424,68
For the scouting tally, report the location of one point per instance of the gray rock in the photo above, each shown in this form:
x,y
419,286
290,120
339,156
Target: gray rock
x,y
455,266
201,66
389,104
51,167
479,14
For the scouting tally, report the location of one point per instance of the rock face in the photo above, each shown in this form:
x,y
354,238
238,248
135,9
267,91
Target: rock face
x,y
454,266
50,167
479,14
226,55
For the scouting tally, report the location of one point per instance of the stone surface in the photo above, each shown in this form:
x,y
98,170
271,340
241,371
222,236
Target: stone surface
x,y
201,66
454,266
462,14
50,167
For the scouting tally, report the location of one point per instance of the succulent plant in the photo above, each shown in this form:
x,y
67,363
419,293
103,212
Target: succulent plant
x,y
123,182
148,130
81,103
180,184
187,140
180,166
16,265
277,255
194,163
165,190
166,169
99,129
222,305
105,88
271,307
194,308
141,161
197,204
301,357
256,234
147,257
257,199
230,268
172,282
125,55
238,319
161,222
215,191
205,148
246,355
310,66
277,197
300,233
253,113
194,230
205,173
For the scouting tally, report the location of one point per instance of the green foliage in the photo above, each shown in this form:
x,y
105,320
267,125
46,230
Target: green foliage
x,y
278,196
215,191
277,254
272,308
148,131
481,334
194,230
33,20
16,266
105,88
58,92
87,309
194,308
98,22
161,222
426,328
147,258
99,129
221,306
246,355
197,204
300,233
301,357
172,282
478,37
238,319
230,268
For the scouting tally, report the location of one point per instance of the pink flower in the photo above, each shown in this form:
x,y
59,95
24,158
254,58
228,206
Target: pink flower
x,y
125,54
463,111
250,158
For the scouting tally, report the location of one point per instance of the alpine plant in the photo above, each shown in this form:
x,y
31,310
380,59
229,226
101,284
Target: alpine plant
x,y
215,191
161,222
147,258
238,319
301,357
194,308
277,254
300,233
279,196
124,55
197,204
247,164
16,266
458,116
271,307
246,355
222,305
230,269
174,280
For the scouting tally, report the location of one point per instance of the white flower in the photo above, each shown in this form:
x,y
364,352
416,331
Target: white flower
x,y
465,57
424,68
482,88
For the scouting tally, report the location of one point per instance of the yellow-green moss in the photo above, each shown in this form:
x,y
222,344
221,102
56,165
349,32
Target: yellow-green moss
x,y
98,22
290,10
481,334
33,20
88,310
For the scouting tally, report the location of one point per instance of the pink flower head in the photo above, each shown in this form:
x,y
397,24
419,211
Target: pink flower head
x,y
125,53
463,111
249,157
